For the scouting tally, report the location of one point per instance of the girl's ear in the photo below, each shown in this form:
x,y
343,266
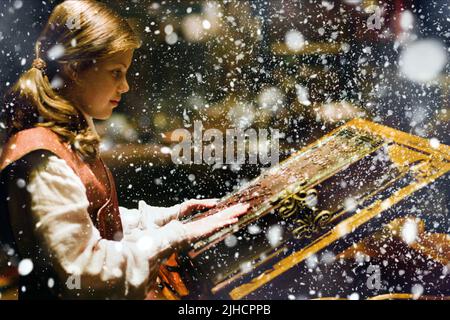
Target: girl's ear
x,y
70,71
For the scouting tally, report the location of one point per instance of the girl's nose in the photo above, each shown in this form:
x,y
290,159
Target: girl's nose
x,y
124,87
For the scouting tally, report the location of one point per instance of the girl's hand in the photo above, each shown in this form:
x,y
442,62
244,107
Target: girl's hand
x,y
207,225
189,206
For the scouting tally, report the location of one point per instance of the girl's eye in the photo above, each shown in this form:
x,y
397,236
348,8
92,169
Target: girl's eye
x,y
117,74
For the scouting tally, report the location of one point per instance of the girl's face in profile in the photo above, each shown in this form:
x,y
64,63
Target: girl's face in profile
x,y
98,89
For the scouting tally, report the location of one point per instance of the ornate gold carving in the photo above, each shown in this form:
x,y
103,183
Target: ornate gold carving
x,y
431,166
302,203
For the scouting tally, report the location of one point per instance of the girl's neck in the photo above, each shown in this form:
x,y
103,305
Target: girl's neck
x,y
90,122
70,94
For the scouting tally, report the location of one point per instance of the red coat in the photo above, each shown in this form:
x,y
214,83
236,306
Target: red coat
x,y
96,177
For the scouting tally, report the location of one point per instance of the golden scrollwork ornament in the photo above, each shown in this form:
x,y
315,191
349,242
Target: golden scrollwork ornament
x,y
302,203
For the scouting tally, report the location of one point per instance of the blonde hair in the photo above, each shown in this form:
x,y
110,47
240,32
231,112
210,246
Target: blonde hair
x,y
78,33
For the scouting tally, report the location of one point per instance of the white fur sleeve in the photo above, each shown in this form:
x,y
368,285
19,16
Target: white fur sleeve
x,y
105,269
147,216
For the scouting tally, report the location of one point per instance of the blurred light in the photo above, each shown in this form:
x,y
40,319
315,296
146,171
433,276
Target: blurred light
x,y
231,241
274,235
417,291
192,27
328,258
352,2
206,25
406,20
294,40
253,229
345,47
57,82
154,6
410,231
271,98
246,267
106,144
18,4
338,111
327,5
434,143
354,296
197,102
302,95
312,261
198,27
25,267
171,38
166,150
423,60
242,115
168,29
212,12
56,52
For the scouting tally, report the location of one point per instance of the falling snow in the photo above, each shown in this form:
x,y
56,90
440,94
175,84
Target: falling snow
x,y
302,67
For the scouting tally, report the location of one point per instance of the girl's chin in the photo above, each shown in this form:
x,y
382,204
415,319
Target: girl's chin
x,y
105,116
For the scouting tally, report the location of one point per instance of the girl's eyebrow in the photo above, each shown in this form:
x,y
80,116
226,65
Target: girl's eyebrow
x,y
121,64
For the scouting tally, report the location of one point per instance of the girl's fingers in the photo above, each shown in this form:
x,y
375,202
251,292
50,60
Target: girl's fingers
x,y
225,223
234,211
237,209
210,224
195,204
204,203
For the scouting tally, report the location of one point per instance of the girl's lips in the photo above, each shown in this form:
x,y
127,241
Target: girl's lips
x,y
114,102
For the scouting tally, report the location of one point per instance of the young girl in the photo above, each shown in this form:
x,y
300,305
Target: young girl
x,y
58,205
